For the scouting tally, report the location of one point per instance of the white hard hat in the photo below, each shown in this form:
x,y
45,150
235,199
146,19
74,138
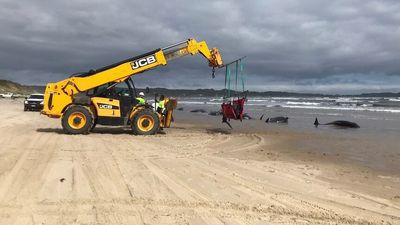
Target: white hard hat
x,y
141,94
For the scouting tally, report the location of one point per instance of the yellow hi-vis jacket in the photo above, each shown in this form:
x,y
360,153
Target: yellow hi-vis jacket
x,y
161,104
140,101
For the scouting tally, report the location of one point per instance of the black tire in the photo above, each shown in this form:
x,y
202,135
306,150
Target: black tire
x,y
25,109
77,119
145,122
94,125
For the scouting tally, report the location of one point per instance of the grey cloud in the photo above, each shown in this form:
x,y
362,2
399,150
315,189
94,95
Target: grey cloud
x,y
288,44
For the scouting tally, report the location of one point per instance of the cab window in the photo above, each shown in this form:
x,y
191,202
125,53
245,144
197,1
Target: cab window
x,y
122,90
98,91
111,90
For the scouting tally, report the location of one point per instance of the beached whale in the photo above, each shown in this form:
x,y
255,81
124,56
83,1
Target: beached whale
x,y
215,113
338,123
198,111
247,117
279,119
219,113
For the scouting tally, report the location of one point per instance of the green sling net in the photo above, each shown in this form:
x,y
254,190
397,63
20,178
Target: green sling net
x,y
238,68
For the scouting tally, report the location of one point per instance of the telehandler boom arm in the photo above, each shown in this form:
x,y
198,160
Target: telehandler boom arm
x,y
61,94
120,71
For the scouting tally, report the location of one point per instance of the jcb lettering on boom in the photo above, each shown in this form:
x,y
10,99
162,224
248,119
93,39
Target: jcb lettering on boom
x,y
143,62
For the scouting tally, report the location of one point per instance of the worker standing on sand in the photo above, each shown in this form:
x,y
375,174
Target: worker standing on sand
x,y
140,100
161,104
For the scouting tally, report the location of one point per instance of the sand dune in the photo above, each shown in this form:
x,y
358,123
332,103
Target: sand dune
x,y
187,176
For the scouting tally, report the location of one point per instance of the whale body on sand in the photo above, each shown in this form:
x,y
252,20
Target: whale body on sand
x,y
247,117
198,111
215,113
279,119
338,123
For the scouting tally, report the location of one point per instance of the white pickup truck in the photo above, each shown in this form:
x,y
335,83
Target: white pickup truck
x,y
7,95
34,102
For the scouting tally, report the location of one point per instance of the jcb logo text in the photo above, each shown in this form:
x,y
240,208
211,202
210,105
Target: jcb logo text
x,y
143,62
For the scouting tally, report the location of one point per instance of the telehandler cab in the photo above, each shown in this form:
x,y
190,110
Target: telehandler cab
x,y
107,96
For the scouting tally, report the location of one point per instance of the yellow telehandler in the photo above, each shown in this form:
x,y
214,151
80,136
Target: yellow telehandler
x,y
107,96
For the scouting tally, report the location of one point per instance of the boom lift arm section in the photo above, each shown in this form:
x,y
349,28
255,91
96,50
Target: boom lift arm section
x,y
59,95
192,47
119,72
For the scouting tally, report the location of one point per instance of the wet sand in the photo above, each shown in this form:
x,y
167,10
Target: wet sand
x,y
378,150
195,173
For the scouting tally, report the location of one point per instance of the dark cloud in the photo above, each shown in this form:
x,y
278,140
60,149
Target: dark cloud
x,y
311,45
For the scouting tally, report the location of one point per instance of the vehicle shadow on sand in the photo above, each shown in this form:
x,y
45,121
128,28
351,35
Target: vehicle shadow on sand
x,y
116,131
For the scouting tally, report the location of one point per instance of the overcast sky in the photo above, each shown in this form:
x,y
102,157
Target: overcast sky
x,y
340,46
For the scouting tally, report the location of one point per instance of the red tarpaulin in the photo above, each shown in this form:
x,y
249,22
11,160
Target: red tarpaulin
x,y
233,109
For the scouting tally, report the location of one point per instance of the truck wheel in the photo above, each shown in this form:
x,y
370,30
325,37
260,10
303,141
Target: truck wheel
x,y
145,122
94,125
77,120
25,109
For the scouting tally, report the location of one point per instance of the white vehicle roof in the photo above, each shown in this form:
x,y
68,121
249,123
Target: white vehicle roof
x,y
34,96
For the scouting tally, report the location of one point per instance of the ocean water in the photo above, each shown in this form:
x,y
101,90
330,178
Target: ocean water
x,y
375,115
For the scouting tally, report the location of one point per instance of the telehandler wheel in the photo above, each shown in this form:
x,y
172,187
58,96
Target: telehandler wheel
x,y
77,119
145,122
94,125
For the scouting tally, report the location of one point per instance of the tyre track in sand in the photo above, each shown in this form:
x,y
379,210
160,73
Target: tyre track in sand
x,y
171,178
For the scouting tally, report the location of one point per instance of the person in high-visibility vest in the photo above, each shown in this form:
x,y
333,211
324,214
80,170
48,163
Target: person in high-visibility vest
x,y
140,99
161,104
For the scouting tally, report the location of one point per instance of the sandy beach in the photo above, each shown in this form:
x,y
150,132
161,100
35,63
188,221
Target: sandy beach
x,y
193,174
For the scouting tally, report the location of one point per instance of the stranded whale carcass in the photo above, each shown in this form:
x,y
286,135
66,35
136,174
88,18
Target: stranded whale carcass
x,y
338,123
279,119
